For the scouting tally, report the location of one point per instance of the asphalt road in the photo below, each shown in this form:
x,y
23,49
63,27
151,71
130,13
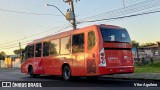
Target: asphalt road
x,y
56,82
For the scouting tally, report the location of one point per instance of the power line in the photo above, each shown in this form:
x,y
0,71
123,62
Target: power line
x,y
124,3
13,46
28,42
25,37
141,5
147,4
46,31
116,13
127,10
134,15
139,14
21,12
110,6
24,43
132,4
144,4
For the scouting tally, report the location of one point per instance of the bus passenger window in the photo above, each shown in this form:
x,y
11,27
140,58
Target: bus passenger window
x,y
54,47
66,45
78,43
46,49
91,40
38,49
31,51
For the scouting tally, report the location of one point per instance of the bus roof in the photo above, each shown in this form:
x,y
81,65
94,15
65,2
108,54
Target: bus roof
x,y
70,32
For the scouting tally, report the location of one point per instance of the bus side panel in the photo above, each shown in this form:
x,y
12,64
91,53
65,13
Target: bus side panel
x,y
92,56
25,65
64,59
78,64
47,65
38,66
55,65
24,68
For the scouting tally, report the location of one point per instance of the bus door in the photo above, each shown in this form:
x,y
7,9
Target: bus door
x,y
47,61
78,54
38,63
91,53
52,63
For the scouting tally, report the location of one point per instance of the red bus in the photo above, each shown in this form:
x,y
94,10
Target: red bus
x,y
91,51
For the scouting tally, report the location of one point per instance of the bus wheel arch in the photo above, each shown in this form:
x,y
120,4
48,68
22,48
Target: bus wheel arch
x,y
31,71
66,71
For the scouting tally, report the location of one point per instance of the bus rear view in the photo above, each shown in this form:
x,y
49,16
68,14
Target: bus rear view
x,y
115,53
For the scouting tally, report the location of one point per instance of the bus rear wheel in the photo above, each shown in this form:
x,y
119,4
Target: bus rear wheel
x,y
66,73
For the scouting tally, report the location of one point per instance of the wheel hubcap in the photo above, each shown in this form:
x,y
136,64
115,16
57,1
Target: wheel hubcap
x,y
31,71
66,73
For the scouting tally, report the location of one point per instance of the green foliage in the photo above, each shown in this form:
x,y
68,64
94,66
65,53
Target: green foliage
x,y
154,64
91,40
148,68
151,60
18,51
144,62
135,43
53,50
147,44
2,55
68,45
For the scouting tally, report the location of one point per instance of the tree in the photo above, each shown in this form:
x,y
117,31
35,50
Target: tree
x,y
53,49
147,44
135,44
2,55
18,51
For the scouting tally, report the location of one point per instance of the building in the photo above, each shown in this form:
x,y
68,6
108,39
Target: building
x,y
10,61
150,51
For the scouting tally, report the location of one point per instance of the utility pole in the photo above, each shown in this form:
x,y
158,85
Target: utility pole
x,y
60,12
74,18
71,13
0,63
124,4
137,45
20,51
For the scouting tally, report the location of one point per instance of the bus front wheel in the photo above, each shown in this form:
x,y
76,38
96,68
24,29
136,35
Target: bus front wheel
x,y
66,72
31,72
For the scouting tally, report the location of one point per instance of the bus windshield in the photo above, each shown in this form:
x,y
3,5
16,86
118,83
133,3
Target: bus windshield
x,y
115,35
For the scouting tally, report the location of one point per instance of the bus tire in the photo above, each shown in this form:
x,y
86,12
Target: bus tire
x,y
31,72
66,73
